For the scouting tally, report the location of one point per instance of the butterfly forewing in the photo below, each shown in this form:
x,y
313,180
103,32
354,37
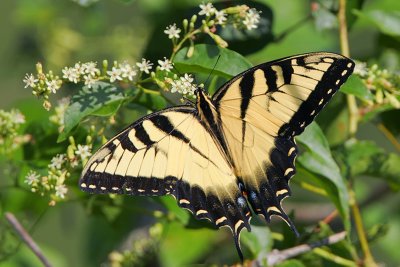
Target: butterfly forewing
x,y
262,109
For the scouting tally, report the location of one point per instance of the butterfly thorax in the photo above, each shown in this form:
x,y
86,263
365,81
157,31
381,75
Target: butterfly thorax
x,y
208,115
206,110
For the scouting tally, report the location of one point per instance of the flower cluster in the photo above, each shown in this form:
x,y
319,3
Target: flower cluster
x,y
43,84
240,17
52,184
183,85
383,83
87,72
252,19
10,123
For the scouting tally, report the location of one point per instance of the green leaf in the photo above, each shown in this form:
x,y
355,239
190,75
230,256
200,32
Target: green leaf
x,y
258,241
102,99
181,246
355,86
182,215
204,60
316,157
388,22
366,158
334,120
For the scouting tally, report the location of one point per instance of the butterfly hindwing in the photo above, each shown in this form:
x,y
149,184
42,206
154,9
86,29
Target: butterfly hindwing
x,y
170,152
263,108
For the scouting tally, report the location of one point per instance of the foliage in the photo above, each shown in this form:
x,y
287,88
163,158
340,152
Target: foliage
x,y
349,160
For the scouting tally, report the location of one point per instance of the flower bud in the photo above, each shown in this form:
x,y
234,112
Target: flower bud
x,y
236,9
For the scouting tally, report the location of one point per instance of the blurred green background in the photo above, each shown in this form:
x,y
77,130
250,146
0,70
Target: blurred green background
x,y
60,33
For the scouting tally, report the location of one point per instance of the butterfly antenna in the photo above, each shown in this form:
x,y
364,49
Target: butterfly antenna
x,y
215,65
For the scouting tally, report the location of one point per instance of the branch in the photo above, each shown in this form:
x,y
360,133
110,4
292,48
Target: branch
x,y
26,238
278,256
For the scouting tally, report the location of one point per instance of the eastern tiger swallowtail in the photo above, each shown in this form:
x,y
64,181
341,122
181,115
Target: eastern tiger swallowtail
x,y
226,153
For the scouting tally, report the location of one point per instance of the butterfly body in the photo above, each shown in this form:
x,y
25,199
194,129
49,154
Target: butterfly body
x,y
228,152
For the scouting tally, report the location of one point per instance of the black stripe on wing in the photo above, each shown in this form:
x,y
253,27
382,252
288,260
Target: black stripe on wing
x,y
333,78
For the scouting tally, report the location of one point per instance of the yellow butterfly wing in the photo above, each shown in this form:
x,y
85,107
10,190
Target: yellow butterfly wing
x,y
262,109
170,152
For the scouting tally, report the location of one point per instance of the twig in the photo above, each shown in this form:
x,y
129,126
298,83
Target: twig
x,y
26,238
278,256
389,136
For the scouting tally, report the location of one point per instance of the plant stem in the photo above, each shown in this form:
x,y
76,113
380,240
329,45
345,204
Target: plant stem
x,y
278,256
179,45
27,238
334,258
313,188
353,124
344,46
368,259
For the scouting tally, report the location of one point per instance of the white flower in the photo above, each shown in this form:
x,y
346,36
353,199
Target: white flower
x,y
252,19
71,74
89,80
17,117
220,17
145,65
207,9
127,71
83,151
61,190
90,68
80,69
172,31
361,69
115,74
32,178
184,85
165,64
57,161
30,80
52,85
187,78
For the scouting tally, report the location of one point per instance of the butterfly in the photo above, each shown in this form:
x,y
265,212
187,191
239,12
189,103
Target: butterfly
x,y
223,154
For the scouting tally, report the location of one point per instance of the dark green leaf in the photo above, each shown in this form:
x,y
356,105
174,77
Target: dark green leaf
x,y
102,99
350,6
390,120
355,86
205,57
388,22
316,158
370,115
